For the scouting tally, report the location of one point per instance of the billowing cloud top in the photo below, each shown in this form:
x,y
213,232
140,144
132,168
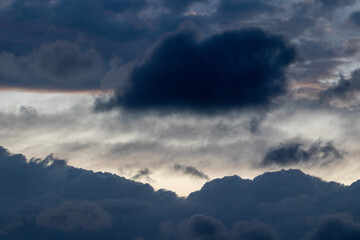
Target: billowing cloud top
x,y
47,199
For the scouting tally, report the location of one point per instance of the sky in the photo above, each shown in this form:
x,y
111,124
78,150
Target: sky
x,y
181,106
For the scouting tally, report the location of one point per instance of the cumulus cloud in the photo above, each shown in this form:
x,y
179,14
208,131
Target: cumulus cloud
x,y
189,170
47,199
227,71
293,152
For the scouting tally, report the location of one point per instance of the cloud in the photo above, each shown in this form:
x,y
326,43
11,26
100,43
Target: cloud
x,y
354,19
125,29
203,228
189,170
145,172
228,71
179,6
324,50
293,152
335,227
230,9
54,65
334,4
71,216
344,92
75,15
47,199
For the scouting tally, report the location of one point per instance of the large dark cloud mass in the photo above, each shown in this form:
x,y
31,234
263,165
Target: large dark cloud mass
x,y
47,199
230,70
124,30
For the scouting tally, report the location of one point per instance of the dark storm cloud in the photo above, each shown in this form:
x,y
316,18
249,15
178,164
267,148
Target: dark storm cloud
x,y
47,199
231,70
189,170
345,90
293,152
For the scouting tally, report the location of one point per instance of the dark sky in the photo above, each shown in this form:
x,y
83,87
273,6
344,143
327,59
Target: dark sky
x,y
179,119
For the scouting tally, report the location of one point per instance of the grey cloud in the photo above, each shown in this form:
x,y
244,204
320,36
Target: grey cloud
x,y
333,4
54,65
255,122
322,7
145,172
63,59
319,49
314,71
293,152
179,6
240,9
189,170
344,92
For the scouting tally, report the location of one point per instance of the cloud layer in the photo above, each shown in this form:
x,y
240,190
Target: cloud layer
x,y
47,199
106,37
